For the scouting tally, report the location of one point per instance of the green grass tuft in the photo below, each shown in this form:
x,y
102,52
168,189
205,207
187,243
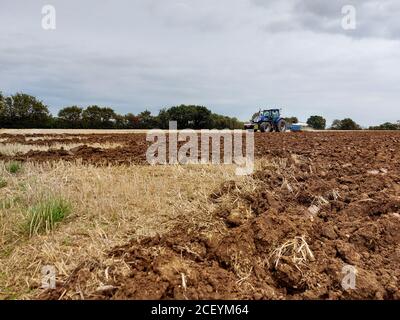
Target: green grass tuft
x,y
14,167
44,216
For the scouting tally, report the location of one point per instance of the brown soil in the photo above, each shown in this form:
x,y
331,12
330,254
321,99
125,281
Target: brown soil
x,y
368,148
340,192
133,149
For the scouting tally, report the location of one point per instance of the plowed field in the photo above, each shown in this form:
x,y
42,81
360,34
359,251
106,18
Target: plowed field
x,y
318,203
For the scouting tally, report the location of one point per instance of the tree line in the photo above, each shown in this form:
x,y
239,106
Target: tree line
x,y
25,111
387,126
319,123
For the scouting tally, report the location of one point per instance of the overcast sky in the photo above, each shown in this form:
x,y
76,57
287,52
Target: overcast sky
x,y
233,56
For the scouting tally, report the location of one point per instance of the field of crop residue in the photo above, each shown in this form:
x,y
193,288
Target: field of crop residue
x,y
113,227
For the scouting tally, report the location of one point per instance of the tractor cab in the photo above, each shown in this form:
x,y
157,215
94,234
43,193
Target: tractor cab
x,y
271,114
267,121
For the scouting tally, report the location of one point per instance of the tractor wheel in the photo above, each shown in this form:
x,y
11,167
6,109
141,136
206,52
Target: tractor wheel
x,y
281,126
266,127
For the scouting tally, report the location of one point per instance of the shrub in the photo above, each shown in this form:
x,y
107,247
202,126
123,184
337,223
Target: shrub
x,y
317,122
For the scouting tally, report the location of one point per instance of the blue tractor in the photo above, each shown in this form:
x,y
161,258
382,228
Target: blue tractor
x,y
267,121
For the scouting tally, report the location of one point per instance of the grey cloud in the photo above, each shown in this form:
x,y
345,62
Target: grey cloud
x,y
377,19
374,18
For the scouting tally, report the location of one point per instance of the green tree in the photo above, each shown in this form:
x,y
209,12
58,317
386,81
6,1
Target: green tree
x,y
223,122
24,111
146,120
108,117
91,117
317,122
336,124
163,118
195,117
187,116
119,122
71,117
98,118
345,124
387,126
3,110
202,118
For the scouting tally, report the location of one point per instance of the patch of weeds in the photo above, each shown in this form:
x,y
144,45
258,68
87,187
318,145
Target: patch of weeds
x,y
44,216
13,167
